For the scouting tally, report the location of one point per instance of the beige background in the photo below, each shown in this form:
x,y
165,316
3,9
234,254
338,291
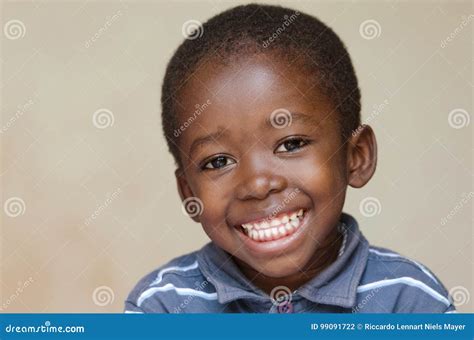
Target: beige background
x,y
71,59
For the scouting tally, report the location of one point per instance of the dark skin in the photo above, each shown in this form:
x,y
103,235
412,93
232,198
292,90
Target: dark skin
x,y
248,168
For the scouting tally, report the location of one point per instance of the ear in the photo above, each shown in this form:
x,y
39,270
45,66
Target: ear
x,y
362,156
184,189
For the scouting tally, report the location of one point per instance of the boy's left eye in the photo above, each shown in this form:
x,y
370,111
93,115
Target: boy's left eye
x,y
291,145
218,162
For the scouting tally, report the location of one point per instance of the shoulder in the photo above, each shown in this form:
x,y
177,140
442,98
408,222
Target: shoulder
x,y
386,261
182,274
407,285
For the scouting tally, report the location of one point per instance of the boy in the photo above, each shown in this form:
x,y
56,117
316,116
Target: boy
x,y
266,163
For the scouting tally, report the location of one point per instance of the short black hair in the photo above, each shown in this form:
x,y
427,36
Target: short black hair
x,y
255,28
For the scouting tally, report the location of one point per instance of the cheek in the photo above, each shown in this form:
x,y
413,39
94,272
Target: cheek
x,y
213,217
322,175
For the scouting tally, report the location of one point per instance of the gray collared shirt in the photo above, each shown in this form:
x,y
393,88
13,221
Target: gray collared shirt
x,y
363,279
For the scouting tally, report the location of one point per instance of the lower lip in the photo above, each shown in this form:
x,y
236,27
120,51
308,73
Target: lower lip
x,y
275,247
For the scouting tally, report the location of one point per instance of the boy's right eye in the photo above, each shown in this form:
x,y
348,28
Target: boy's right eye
x,y
218,162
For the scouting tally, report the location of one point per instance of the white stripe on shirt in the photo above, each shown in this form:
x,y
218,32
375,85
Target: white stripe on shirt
x,y
180,291
414,262
408,281
159,277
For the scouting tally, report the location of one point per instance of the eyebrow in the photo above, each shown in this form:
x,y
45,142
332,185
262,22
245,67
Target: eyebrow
x,y
222,132
212,137
298,117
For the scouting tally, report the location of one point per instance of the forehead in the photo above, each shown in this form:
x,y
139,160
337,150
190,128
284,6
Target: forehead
x,y
241,94
254,77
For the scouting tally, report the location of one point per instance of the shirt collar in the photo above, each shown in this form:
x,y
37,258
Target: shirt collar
x,y
335,285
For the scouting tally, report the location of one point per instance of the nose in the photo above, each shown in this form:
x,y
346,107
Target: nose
x,y
260,184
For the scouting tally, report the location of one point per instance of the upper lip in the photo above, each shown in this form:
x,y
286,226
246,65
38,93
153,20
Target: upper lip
x,y
264,214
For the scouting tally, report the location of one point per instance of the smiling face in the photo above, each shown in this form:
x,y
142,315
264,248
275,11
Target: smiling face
x,y
272,185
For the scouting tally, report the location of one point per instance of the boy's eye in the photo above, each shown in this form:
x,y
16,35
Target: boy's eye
x,y
291,145
218,162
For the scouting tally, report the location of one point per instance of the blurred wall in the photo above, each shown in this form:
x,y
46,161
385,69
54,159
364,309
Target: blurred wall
x,y
88,192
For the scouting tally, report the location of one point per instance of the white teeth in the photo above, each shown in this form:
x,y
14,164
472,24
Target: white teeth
x,y
247,226
275,232
275,222
268,233
275,228
254,234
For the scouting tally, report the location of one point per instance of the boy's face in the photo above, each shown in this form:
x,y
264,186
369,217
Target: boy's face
x,y
258,168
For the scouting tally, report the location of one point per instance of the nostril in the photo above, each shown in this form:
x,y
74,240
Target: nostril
x,y
260,186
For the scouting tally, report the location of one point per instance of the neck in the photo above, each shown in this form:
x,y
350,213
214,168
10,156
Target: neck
x,y
326,254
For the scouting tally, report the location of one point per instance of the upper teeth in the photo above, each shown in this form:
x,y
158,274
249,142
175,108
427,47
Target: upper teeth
x,y
274,222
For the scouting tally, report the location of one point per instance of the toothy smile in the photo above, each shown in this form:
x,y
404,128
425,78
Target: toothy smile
x,y
274,228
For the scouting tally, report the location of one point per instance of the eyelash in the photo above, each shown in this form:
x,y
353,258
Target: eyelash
x,y
305,142
204,166
293,139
